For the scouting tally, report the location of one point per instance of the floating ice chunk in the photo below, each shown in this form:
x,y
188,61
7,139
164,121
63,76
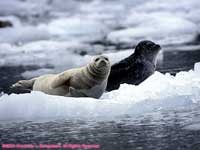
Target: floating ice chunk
x,y
77,29
35,53
110,13
111,7
175,7
159,91
23,34
59,7
163,28
197,67
23,8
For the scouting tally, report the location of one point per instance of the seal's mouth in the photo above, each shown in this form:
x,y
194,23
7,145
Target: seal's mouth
x,y
102,63
157,47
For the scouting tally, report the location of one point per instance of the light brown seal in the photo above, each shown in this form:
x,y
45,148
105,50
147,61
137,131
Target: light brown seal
x,y
87,81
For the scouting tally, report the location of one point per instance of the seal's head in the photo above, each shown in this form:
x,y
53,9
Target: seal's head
x,y
101,64
147,50
101,61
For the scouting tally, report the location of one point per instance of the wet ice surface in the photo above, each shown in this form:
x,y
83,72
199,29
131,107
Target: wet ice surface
x,y
51,36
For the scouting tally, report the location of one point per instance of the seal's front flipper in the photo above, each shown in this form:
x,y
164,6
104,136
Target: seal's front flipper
x,y
76,93
60,80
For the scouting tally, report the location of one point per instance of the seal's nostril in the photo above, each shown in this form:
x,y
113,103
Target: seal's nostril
x,y
102,62
157,46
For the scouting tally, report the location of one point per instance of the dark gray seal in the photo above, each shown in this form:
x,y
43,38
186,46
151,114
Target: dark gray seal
x,y
135,68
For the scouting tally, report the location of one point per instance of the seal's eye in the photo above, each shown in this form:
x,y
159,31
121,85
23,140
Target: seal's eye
x,y
97,59
148,44
106,59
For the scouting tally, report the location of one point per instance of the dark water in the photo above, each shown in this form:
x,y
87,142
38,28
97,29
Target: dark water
x,y
175,61
162,130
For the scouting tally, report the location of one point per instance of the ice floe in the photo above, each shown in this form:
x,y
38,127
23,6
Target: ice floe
x,y
22,33
80,29
164,28
157,92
